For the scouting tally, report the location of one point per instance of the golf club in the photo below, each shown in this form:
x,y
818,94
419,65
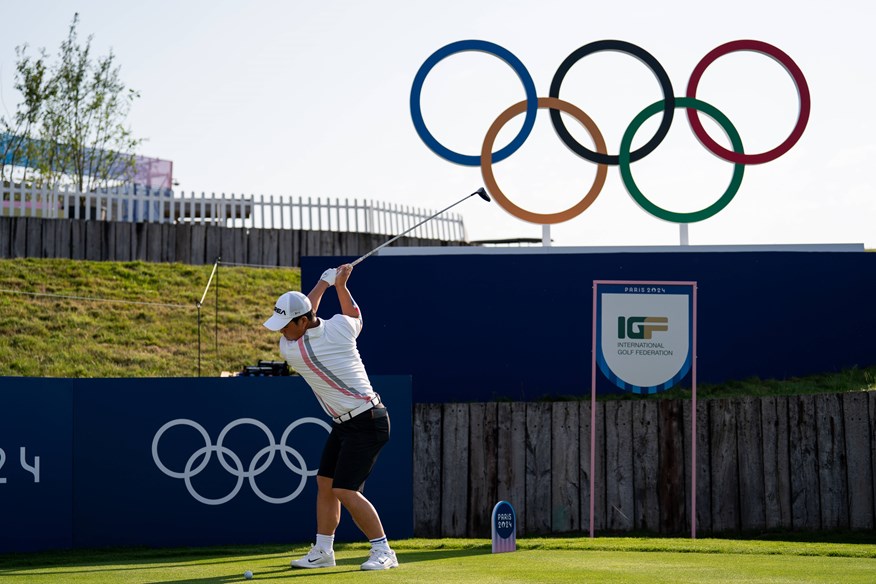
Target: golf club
x,y
481,192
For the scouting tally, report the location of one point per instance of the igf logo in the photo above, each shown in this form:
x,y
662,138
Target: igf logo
x,y
640,327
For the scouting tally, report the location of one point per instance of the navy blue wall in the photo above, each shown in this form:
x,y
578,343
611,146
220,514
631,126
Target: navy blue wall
x,y
518,325
99,484
36,512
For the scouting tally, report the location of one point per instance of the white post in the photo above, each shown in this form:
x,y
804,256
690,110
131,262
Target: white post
x,y
43,205
682,234
329,206
143,204
546,235
262,208
356,214
310,213
33,203
271,214
319,213
285,205
111,198
380,217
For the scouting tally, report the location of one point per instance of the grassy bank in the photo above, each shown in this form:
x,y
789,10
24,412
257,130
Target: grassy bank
x,y
68,318
64,318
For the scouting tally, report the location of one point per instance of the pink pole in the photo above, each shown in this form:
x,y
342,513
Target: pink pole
x,y
693,426
593,412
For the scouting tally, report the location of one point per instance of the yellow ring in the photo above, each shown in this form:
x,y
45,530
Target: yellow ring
x,y
496,192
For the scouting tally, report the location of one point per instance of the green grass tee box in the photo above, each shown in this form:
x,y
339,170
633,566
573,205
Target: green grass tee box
x,y
447,561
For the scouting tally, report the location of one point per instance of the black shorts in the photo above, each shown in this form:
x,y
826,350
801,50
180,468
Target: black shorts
x,y
352,448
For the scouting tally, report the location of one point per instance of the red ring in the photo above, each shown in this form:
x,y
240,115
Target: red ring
x,y
792,69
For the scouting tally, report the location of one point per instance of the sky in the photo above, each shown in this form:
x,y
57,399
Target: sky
x,y
291,98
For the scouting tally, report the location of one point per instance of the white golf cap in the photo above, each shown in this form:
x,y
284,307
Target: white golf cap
x,y
290,305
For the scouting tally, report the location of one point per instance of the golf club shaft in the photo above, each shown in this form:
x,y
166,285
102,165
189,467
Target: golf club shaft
x,y
381,246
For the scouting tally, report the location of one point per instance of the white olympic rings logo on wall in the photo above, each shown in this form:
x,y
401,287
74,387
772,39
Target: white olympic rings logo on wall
x,y
255,469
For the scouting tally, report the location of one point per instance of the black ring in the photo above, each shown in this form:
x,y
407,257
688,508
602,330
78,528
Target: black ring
x,y
647,59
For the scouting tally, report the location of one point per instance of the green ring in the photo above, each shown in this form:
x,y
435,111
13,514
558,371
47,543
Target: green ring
x,y
642,200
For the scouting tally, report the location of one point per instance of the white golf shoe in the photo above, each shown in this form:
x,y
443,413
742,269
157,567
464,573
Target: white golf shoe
x,y
315,558
381,559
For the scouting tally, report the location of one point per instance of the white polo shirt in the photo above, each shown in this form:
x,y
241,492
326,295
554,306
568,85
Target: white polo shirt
x,y
327,358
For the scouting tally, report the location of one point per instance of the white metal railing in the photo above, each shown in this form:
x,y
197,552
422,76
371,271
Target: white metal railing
x,y
164,206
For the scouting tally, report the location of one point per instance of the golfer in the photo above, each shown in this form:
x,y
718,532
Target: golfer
x,y
324,353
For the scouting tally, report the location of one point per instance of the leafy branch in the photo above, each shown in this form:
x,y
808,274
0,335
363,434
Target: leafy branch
x,y
71,127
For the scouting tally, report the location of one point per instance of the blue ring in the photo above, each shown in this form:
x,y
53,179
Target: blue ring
x,y
492,49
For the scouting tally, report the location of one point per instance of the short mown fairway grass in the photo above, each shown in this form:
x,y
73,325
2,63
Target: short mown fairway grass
x,y
447,561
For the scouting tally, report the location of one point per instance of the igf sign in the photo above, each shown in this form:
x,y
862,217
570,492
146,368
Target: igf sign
x,y
644,333
645,341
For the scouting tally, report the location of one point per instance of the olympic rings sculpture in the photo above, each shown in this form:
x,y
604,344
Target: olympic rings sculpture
x,y
255,468
667,106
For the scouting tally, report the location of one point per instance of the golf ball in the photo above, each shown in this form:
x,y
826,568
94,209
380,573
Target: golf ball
x,y
248,574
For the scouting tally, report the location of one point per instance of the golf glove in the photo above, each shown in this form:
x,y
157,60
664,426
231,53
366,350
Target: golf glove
x,y
329,276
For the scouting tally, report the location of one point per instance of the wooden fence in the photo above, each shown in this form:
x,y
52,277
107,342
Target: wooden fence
x,y
791,463
180,242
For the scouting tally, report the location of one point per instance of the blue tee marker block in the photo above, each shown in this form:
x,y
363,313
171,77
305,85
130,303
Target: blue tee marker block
x,y
504,528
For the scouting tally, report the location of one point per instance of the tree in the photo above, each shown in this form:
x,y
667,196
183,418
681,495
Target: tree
x,y
31,80
70,127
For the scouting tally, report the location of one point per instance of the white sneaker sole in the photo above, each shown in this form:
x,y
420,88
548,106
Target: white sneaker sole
x,y
386,566
303,564
310,566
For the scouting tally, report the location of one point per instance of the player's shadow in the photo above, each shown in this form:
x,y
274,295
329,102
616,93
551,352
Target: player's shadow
x,y
404,558
343,565
410,557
